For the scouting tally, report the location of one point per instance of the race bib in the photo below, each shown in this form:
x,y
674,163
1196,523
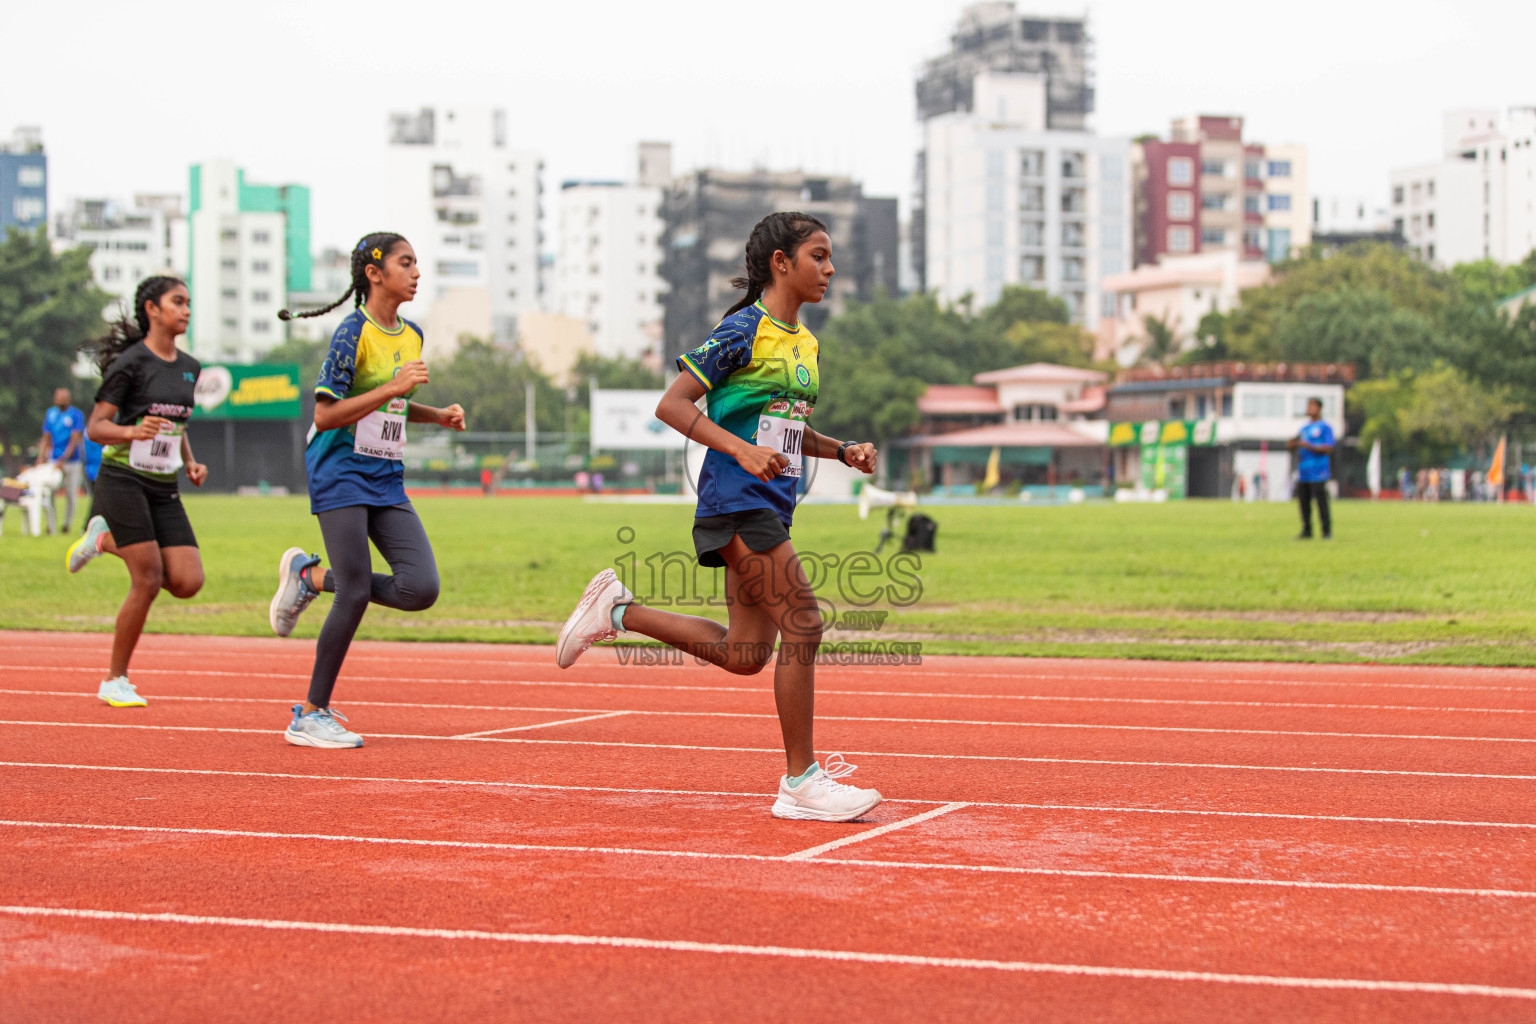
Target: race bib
x,y
161,453
381,434
782,428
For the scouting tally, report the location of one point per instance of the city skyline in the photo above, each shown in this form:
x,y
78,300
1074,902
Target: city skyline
x,y
311,101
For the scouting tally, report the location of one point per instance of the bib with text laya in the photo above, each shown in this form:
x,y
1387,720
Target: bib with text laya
x,y
161,453
381,434
781,426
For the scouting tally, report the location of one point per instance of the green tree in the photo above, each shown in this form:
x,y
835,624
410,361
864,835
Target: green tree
x,y
1433,414
490,384
1049,342
1361,326
48,305
1160,346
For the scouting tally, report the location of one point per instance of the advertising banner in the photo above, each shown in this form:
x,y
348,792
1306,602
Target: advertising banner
x,y
626,420
1163,432
262,392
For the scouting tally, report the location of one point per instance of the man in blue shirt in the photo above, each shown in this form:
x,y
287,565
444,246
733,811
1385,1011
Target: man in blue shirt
x,y
61,444
1315,443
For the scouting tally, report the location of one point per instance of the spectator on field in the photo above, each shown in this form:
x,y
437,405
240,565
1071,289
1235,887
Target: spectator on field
x,y
1315,443
63,431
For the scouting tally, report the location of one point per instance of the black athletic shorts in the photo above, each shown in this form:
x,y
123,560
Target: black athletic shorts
x,y
139,510
759,528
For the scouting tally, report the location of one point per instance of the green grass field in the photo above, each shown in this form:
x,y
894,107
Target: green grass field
x,y
1433,584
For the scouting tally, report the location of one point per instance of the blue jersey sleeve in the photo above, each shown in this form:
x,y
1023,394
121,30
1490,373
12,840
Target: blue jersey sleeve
x,y
728,349
1325,436
340,365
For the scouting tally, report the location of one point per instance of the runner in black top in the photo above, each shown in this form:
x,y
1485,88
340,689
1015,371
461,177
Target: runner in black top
x,y
141,413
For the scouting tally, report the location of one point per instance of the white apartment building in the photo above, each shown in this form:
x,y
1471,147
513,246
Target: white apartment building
x,y
128,241
608,267
238,267
1349,214
1479,200
1009,201
472,209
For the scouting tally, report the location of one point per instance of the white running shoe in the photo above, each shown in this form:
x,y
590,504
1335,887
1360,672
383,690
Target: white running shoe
x,y
822,798
293,591
120,693
593,618
320,728
87,546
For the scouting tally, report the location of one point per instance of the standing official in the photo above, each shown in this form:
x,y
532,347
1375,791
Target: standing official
x,y
63,432
1315,443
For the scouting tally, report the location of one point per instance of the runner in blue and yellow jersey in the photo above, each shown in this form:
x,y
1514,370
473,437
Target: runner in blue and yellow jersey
x,y
758,373
363,401
140,420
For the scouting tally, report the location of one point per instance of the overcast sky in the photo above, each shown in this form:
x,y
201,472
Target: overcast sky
x,y
129,95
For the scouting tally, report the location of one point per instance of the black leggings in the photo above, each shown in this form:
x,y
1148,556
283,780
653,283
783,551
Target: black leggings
x,y
397,532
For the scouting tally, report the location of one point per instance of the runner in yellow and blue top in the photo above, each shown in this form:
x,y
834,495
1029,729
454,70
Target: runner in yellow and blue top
x,y
140,418
363,401
758,373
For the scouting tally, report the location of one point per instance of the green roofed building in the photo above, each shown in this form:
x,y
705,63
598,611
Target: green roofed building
x,y
248,249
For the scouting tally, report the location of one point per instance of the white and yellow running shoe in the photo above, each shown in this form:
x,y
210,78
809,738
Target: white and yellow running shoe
x,y
88,546
120,693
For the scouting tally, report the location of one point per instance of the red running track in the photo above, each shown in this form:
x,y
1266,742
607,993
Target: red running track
x,y
1061,841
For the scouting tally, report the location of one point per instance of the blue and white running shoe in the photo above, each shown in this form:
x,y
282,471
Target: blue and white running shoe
x,y
320,728
293,591
120,693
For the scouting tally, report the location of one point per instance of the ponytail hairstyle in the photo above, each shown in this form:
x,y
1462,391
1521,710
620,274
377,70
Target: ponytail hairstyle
x,y
127,330
777,231
371,249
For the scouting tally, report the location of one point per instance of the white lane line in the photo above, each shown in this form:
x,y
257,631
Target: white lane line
x,y
789,952
957,671
808,856
1003,805
604,712
540,725
1012,759
873,833
821,691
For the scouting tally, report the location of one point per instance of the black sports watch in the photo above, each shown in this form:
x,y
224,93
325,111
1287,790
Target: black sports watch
x,y
843,448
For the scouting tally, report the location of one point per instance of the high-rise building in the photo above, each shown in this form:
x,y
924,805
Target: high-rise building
x,y
128,241
248,249
23,182
1478,202
993,37
1013,201
708,215
608,269
1206,189
472,208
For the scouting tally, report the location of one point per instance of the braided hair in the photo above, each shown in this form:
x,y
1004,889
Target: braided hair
x,y
126,331
372,249
775,232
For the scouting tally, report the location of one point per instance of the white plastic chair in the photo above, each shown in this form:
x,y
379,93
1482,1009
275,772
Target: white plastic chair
x,y
41,482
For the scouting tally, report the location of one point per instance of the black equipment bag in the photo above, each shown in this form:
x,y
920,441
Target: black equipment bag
x,y
921,531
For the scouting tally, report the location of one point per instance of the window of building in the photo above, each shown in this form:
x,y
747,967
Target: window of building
x,y
1030,411
1397,193
1213,236
1253,238
458,268
261,297
230,293
1181,170
231,323
260,326
1181,205
1073,234
1215,200
1111,236
1074,200
1279,202
1279,247
31,176
1032,197
1074,165
1202,407
1253,170
1279,168
1251,203
260,267
1429,186
1176,408
1429,252
1032,269
1226,405
1032,163
1072,269
1213,168
1299,404
1180,240
1416,191
1032,232
228,265
260,237
1430,220
229,235
1263,406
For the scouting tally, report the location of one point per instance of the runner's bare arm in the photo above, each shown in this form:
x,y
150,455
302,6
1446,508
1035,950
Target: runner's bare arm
x,y
103,430
678,410
334,413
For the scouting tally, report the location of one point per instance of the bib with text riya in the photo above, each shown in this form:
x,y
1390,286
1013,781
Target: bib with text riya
x,y
381,434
